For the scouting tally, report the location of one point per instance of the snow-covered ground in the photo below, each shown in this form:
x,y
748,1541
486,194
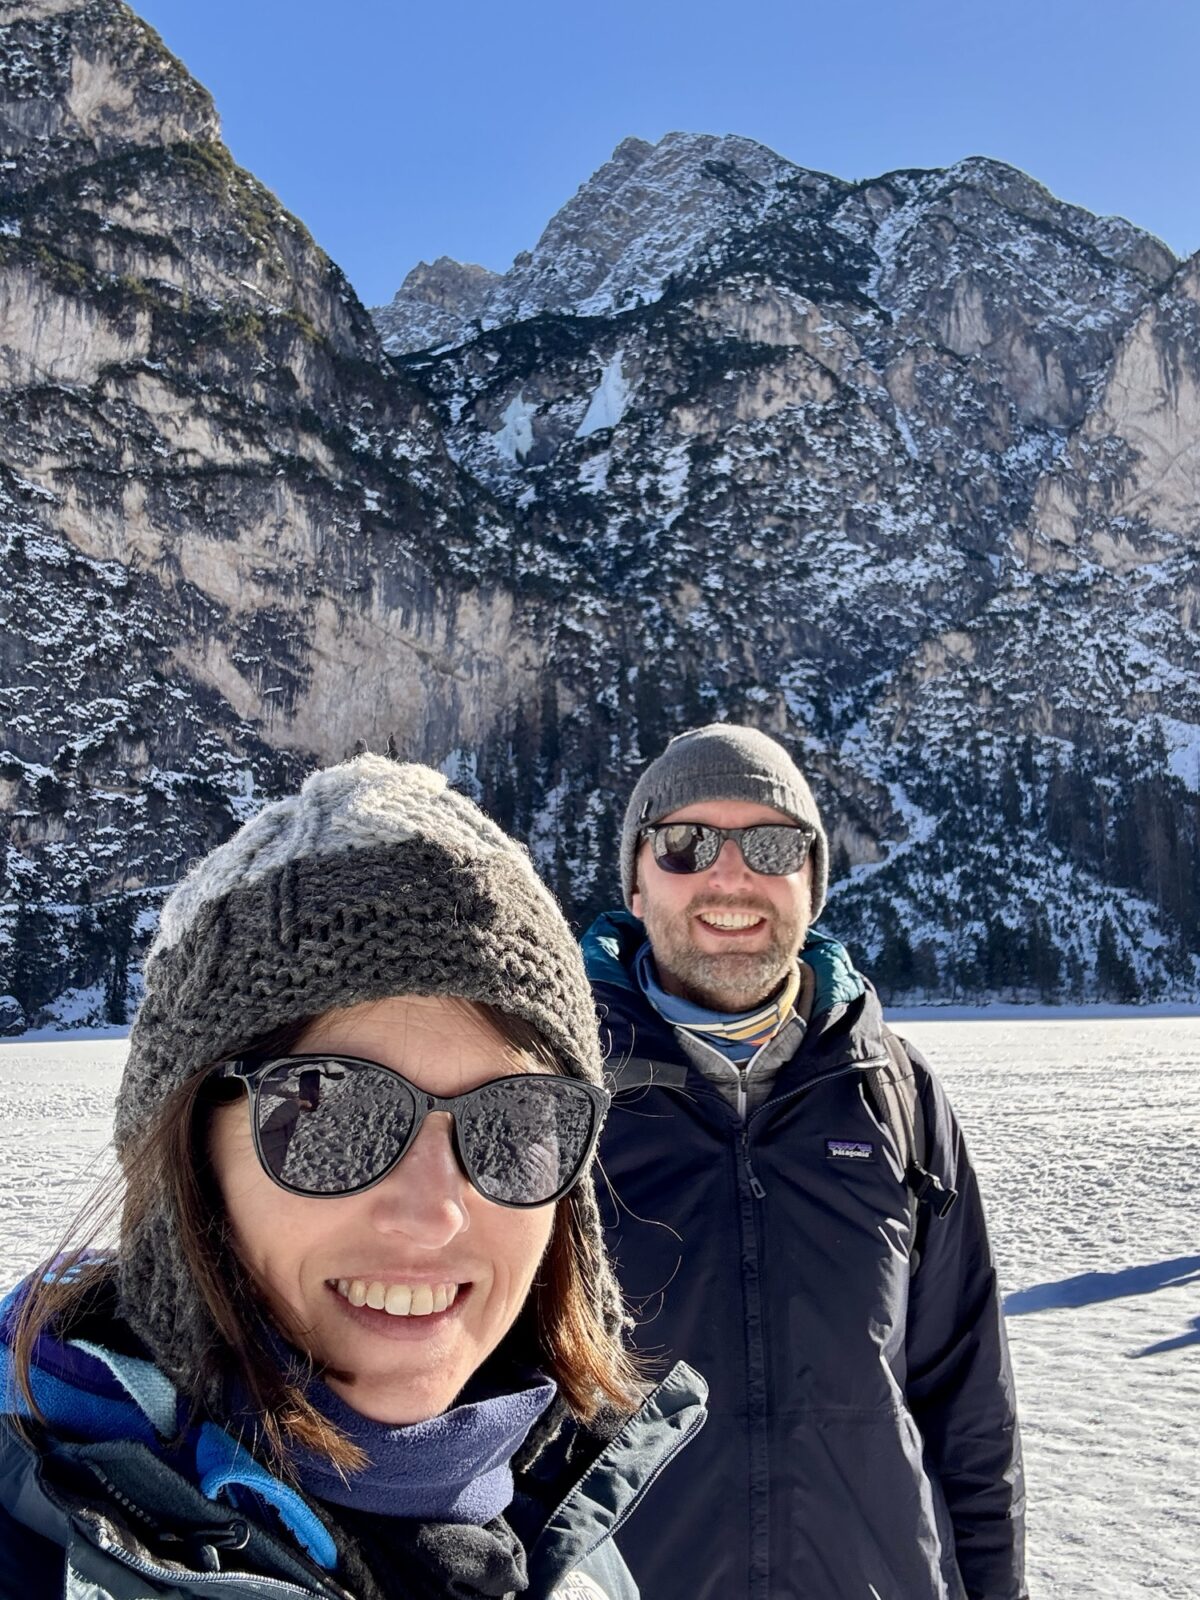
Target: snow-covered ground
x,y
1087,1135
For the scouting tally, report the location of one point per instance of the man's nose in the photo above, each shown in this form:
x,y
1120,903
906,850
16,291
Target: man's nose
x,y
424,1197
730,866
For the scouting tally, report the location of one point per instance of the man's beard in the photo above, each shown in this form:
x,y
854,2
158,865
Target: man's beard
x,y
727,980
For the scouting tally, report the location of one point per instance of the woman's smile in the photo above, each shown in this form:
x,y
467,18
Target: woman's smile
x,y
358,1304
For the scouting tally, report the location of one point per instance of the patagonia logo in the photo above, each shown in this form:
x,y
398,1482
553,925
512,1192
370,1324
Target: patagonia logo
x,y
849,1149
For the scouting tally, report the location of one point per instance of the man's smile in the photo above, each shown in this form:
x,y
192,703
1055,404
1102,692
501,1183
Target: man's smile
x,y
731,922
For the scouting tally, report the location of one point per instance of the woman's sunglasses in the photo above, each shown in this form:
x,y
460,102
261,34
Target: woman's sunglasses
x,y
335,1125
775,848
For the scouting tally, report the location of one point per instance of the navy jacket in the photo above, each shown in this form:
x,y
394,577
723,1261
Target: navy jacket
x,y
862,1440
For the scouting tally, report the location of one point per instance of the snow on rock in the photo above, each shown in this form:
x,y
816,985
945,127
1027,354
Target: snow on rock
x,y
514,440
1183,747
609,399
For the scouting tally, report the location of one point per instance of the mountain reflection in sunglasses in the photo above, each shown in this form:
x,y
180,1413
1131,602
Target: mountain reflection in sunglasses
x,y
772,848
330,1125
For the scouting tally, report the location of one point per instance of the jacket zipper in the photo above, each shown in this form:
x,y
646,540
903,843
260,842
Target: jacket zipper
x,y
756,1188
187,1576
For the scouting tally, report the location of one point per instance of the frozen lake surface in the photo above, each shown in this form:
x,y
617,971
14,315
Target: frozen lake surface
x,y
1087,1135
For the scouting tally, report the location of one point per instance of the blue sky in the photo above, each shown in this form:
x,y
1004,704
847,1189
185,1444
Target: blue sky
x,y
401,132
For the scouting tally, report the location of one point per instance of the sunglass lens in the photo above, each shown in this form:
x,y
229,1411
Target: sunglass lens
x,y
327,1126
775,849
686,847
525,1138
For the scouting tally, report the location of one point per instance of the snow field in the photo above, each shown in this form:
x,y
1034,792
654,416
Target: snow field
x,y
1086,1133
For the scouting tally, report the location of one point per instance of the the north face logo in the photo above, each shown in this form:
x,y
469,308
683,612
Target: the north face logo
x,y
849,1149
578,1586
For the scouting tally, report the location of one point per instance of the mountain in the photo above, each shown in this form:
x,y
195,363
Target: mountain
x,y
232,539
904,471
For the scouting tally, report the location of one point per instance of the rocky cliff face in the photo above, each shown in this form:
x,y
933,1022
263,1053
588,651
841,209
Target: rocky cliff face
x,y
903,471
233,541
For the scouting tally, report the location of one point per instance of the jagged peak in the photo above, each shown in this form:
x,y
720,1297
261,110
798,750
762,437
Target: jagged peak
x,y
654,213
650,175
1024,196
87,79
449,284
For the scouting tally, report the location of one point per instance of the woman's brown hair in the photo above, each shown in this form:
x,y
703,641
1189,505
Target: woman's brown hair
x,y
170,1161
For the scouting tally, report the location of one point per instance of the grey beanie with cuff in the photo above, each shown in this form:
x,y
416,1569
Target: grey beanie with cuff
x,y
722,761
377,879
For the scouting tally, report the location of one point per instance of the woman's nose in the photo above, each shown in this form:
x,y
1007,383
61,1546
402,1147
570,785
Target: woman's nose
x,y
424,1196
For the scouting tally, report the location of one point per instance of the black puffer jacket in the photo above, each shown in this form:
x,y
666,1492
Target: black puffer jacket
x,y
862,1442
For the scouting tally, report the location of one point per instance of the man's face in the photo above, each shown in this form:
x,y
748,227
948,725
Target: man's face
x,y
696,922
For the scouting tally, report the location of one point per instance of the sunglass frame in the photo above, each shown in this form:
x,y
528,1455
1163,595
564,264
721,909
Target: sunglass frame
x,y
251,1074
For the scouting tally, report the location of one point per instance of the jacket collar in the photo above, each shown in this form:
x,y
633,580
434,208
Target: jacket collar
x,y
108,1397
667,1421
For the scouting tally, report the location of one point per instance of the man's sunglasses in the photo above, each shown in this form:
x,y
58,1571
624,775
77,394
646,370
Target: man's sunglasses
x,y
775,848
335,1125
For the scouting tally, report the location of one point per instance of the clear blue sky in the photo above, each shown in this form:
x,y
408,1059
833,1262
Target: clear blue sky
x,y
401,131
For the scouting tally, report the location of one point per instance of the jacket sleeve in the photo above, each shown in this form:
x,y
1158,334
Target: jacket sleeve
x,y
960,1385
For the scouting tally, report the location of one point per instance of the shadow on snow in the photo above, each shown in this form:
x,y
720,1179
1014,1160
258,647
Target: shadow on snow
x,y
1164,1345
1089,1288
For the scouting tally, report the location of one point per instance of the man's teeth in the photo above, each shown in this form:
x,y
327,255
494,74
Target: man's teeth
x,y
730,919
398,1299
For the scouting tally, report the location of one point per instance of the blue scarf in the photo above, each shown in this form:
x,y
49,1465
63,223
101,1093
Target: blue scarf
x,y
738,1035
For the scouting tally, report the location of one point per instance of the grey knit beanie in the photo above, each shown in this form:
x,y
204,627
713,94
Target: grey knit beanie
x,y
722,761
377,879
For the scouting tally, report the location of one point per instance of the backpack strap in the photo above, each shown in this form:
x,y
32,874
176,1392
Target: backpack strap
x,y
640,1072
894,1093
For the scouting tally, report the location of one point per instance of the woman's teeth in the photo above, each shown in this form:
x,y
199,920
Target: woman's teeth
x,y
398,1299
730,919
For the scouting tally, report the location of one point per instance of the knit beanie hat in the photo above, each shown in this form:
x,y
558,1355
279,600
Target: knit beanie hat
x,y
377,879
722,761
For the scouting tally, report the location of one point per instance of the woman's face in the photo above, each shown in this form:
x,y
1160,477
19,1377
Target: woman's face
x,y
423,1229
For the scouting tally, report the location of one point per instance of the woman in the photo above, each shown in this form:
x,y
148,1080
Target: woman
x,y
359,1336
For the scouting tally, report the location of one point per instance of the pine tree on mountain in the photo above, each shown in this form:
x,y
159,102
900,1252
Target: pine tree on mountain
x,y
33,978
1010,796
1115,977
1045,961
118,922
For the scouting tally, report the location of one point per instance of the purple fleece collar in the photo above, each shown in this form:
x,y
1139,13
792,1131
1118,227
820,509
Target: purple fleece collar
x,y
457,1467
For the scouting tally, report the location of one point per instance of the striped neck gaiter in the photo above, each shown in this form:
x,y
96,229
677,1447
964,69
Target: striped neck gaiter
x,y
738,1035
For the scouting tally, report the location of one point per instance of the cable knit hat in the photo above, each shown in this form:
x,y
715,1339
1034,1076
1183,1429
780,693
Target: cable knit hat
x,y
722,761
377,879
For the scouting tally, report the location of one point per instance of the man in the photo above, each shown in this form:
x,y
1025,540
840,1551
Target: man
x,y
783,1176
